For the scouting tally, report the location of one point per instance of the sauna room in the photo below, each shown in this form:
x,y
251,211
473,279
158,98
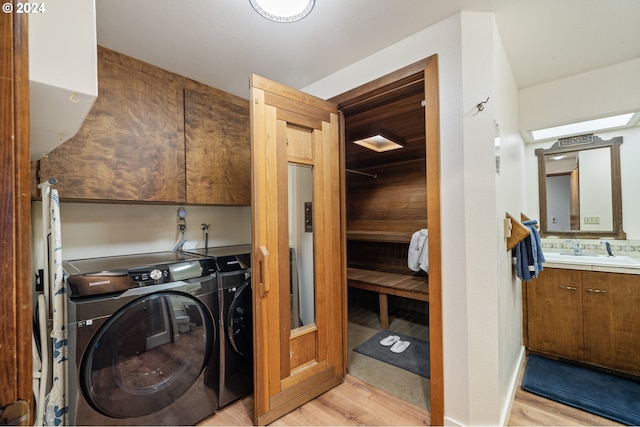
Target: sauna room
x,y
386,204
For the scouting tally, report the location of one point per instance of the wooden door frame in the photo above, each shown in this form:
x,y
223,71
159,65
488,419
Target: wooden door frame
x,y
15,203
427,69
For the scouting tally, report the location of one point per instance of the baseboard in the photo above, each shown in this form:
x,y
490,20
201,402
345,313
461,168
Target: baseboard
x,y
508,403
451,422
506,410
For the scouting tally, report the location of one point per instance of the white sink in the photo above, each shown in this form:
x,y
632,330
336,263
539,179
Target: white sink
x,y
622,260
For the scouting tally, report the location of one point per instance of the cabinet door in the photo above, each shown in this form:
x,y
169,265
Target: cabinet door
x,y
298,276
218,148
612,320
131,146
554,308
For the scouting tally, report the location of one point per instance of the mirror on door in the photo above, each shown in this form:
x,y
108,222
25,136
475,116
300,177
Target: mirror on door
x,y
302,295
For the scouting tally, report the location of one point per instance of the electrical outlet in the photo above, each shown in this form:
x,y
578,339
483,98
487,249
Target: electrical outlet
x,y
592,220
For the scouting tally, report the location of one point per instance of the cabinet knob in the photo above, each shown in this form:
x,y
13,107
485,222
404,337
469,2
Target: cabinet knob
x,y
597,291
568,288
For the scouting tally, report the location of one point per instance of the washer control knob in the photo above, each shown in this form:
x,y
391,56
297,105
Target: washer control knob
x,y
155,274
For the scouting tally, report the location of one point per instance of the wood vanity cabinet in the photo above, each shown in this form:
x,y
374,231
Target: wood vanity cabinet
x,y
554,311
611,309
154,136
587,316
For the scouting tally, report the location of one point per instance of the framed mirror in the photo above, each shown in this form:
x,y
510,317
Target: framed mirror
x,y
579,188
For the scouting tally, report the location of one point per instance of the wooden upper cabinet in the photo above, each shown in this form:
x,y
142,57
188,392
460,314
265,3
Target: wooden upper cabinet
x,y
155,136
218,147
131,146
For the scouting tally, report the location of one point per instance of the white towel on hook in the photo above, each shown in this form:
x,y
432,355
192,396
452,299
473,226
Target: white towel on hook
x,y
424,255
417,246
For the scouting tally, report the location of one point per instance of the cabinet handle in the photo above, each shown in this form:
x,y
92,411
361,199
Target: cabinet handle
x,y
597,291
568,288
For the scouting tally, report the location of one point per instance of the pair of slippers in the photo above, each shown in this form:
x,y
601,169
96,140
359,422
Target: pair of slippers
x,y
396,344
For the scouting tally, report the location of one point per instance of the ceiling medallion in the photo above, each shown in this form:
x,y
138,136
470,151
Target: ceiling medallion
x,y
283,10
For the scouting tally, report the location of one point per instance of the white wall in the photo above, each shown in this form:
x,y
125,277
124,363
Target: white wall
x,y
605,91
479,206
509,198
481,306
96,229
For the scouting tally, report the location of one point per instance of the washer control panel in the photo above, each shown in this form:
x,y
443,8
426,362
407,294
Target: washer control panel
x,y
150,275
91,277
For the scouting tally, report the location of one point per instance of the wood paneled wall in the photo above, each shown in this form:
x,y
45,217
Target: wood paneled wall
x,y
383,213
378,256
390,207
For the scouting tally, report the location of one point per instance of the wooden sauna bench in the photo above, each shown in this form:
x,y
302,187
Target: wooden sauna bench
x,y
384,283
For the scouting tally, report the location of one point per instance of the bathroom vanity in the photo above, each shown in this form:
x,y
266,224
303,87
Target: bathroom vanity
x,y
585,309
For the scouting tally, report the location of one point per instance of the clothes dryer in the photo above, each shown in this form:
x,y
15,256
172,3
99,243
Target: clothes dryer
x,y
142,335
235,350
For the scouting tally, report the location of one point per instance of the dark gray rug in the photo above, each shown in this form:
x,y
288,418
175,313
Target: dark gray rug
x,y
592,391
414,359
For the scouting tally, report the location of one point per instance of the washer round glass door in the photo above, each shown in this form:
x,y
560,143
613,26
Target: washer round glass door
x,y
240,320
147,355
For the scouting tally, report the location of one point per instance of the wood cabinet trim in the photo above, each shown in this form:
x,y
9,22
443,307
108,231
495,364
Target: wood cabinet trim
x,y
15,230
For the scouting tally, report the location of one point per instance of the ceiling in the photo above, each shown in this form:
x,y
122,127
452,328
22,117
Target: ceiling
x,y
222,42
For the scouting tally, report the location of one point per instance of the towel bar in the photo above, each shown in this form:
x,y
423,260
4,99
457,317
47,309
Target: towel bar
x,y
518,231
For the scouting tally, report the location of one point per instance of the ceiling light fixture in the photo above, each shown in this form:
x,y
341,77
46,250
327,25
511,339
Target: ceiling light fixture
x,y
380,141
582,127
283,10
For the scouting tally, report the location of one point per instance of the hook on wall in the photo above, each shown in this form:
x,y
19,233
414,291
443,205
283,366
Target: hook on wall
x,y
480,106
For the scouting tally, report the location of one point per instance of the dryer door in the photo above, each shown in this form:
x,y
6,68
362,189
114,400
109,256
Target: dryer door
x,y
240,320
147,355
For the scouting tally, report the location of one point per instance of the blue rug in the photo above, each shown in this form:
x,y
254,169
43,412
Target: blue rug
x,y
602,394
414,359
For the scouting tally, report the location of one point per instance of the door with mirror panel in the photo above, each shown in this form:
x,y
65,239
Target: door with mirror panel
x,y
297,234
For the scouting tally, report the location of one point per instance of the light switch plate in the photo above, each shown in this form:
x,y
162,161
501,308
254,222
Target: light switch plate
x,y
592,220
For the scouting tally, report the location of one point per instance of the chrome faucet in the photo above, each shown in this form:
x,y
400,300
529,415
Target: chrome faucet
x,y
608,246
575,245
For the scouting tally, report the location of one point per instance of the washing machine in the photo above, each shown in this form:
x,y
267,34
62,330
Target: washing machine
x,y
142,333
235,350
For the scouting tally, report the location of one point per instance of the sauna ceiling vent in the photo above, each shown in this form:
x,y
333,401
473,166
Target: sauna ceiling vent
x,y
380,140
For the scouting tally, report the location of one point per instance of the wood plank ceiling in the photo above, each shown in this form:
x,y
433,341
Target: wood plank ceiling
x,y
398,110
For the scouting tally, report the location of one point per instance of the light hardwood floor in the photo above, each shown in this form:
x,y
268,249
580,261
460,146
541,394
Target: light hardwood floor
x,y
352,403
355,402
